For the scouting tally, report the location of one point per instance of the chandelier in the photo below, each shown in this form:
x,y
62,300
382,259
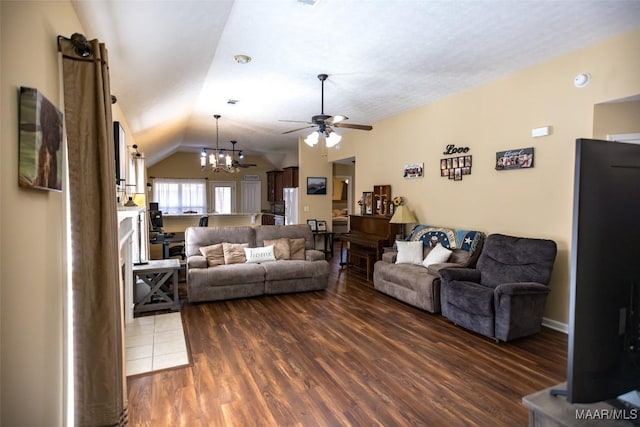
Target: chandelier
x,y
219,159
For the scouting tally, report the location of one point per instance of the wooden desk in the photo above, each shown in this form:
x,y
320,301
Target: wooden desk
x,y
162,294
167,240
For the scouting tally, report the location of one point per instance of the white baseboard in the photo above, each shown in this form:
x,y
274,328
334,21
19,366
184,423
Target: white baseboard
x,y
554,324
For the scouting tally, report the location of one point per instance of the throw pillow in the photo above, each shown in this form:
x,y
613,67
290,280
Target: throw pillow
x,y
280,247
437,255
258,255
409,252
214,254
297,248
234,252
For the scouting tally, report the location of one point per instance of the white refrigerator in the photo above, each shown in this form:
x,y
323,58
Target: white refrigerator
x,y
290,196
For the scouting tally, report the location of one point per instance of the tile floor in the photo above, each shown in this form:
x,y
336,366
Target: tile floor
x,y
155,342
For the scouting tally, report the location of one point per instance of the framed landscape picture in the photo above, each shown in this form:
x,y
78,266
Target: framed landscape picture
x,y
316,185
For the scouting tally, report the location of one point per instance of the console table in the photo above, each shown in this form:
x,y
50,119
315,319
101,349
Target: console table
x,y
162,278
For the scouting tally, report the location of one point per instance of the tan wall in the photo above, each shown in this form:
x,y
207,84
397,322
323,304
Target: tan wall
x,y
187,165
313,163
496,117
32,241
614,118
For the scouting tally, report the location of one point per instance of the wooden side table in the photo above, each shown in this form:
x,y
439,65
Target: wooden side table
x,y
162,278
327,240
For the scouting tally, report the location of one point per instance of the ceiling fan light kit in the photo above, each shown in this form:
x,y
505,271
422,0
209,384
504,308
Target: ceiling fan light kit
x,y
324,124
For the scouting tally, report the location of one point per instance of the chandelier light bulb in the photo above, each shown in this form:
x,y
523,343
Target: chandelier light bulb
x,y
312,139
332,140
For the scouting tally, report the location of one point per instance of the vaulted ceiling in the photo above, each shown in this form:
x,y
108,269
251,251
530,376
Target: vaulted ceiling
x,y
172,62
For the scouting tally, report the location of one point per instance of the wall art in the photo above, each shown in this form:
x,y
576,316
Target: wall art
x,y
455,167
316,185
40,150
520,158
413,170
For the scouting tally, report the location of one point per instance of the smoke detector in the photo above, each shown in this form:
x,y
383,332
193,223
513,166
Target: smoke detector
x,y
582,79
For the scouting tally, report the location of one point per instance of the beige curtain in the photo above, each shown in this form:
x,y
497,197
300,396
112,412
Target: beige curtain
x,y
100,382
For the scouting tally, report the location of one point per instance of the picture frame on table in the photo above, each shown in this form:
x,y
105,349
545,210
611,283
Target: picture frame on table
x,y
321,225
313,224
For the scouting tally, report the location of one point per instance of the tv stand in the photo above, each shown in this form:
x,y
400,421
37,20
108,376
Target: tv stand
x,y
555,392
547,409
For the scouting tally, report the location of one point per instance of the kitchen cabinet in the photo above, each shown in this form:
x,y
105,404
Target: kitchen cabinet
x,y
274,186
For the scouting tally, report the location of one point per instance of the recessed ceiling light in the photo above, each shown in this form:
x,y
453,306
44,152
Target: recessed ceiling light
x,y
242,59
309,2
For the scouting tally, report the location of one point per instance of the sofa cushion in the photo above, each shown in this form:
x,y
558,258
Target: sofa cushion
x,y
197,237
295,231
297,249
234,252
231,274
281,247
438,254
461,257
259,255
414,277
214,254
409,253
293,269
509,259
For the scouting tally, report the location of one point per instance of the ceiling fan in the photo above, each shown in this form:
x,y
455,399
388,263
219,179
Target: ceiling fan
x,y
325,123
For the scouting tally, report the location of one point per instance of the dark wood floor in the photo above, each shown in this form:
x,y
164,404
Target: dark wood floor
x,y
348,356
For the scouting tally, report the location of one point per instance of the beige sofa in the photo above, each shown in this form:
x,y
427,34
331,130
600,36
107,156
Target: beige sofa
x,y
418,285
239,280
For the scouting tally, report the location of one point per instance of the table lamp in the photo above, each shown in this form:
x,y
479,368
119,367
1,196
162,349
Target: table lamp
x,y
402,216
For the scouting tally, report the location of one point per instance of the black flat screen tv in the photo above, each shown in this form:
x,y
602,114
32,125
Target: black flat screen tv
x,y
604,325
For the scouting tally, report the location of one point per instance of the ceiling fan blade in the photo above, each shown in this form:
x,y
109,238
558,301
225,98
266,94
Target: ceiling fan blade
x,y
296,121
353,126
296,130
336,119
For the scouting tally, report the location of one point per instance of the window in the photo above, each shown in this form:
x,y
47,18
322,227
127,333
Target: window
x,y
223,200
178,196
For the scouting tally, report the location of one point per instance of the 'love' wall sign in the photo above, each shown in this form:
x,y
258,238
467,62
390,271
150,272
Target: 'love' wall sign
x,y
455,167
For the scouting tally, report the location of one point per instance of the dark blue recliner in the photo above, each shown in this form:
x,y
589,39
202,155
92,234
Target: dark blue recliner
x,y
504,296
